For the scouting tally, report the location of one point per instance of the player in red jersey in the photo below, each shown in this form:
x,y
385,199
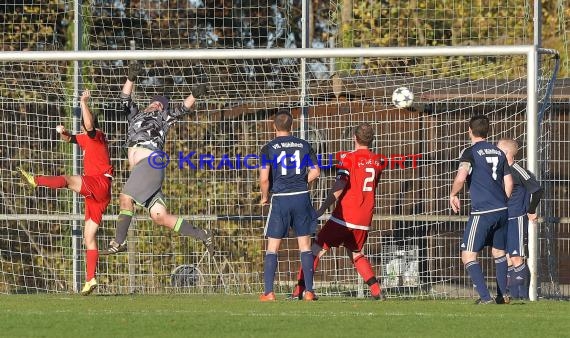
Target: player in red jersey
x,y
354,188
94,184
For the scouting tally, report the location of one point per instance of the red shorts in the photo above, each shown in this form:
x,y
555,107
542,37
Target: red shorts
x,y
333,235
97,192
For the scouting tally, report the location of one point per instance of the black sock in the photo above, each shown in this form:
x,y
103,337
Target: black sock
x,y
123,224
184,228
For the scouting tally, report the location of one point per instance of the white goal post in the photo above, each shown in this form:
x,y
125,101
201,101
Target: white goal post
x,y
532,98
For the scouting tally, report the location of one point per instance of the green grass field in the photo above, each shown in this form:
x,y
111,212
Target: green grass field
x,y
244,316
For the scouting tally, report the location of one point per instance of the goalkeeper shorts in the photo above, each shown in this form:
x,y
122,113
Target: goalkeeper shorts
x,y
144,185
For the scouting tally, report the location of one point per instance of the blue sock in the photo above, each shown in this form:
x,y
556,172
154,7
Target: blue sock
x,y
523,280
501,273
307,260
269,268
509,274
514,282
510,271
476,273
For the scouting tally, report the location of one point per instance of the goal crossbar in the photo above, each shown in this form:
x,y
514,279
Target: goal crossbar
x,y
203,54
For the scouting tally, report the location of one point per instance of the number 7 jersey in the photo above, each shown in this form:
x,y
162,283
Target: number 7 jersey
x,y
361,170
485,181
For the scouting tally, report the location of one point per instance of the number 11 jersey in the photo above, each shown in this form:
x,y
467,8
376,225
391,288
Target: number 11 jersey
x,y
485,181
290,159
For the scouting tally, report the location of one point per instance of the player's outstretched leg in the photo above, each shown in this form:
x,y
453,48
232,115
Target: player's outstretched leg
x,y
53,182
159,214
27,178
184,228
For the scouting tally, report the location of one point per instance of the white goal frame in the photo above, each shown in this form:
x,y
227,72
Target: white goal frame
x,y
530,51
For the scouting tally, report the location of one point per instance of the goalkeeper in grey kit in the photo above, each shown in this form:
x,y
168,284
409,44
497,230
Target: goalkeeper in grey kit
x,y
146,135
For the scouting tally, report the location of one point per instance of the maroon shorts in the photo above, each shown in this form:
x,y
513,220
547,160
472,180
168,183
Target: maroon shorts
x,y
333,235
97,192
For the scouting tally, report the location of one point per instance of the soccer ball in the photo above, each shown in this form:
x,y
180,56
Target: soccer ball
x,y
402,97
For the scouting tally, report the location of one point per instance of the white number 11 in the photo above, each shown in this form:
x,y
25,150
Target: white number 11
x,y
294,159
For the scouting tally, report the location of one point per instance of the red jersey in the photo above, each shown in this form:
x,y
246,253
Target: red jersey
x,y
95,154
361,170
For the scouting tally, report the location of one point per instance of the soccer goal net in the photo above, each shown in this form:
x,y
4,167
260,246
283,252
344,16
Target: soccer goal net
x,y
414,242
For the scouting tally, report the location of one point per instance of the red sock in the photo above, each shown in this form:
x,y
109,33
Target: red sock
x,y
375,289
301,276
54,182
363,267
91,264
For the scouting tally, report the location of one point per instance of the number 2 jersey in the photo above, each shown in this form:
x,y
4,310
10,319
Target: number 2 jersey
x,y
486,186
361,170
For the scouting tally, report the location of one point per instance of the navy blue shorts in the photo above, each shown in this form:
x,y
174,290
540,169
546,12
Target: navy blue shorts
x,y
290,210
489,229
517,232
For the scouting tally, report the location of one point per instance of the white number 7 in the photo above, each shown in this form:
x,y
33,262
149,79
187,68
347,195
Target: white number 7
x,y
494,161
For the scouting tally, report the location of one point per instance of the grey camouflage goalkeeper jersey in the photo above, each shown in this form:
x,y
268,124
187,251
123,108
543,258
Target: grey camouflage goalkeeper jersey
x,y
149,129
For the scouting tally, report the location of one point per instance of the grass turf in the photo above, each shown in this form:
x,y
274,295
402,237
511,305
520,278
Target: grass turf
x,y
56,315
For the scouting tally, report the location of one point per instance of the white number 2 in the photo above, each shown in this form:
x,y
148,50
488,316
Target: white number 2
x,y
494,161
369,179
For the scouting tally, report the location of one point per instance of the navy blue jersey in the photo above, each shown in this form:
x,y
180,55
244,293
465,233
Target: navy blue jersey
x,y
524,184
290,159
485,181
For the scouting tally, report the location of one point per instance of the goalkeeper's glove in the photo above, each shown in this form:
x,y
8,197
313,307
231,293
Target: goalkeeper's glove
x,y
134,70
199,90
